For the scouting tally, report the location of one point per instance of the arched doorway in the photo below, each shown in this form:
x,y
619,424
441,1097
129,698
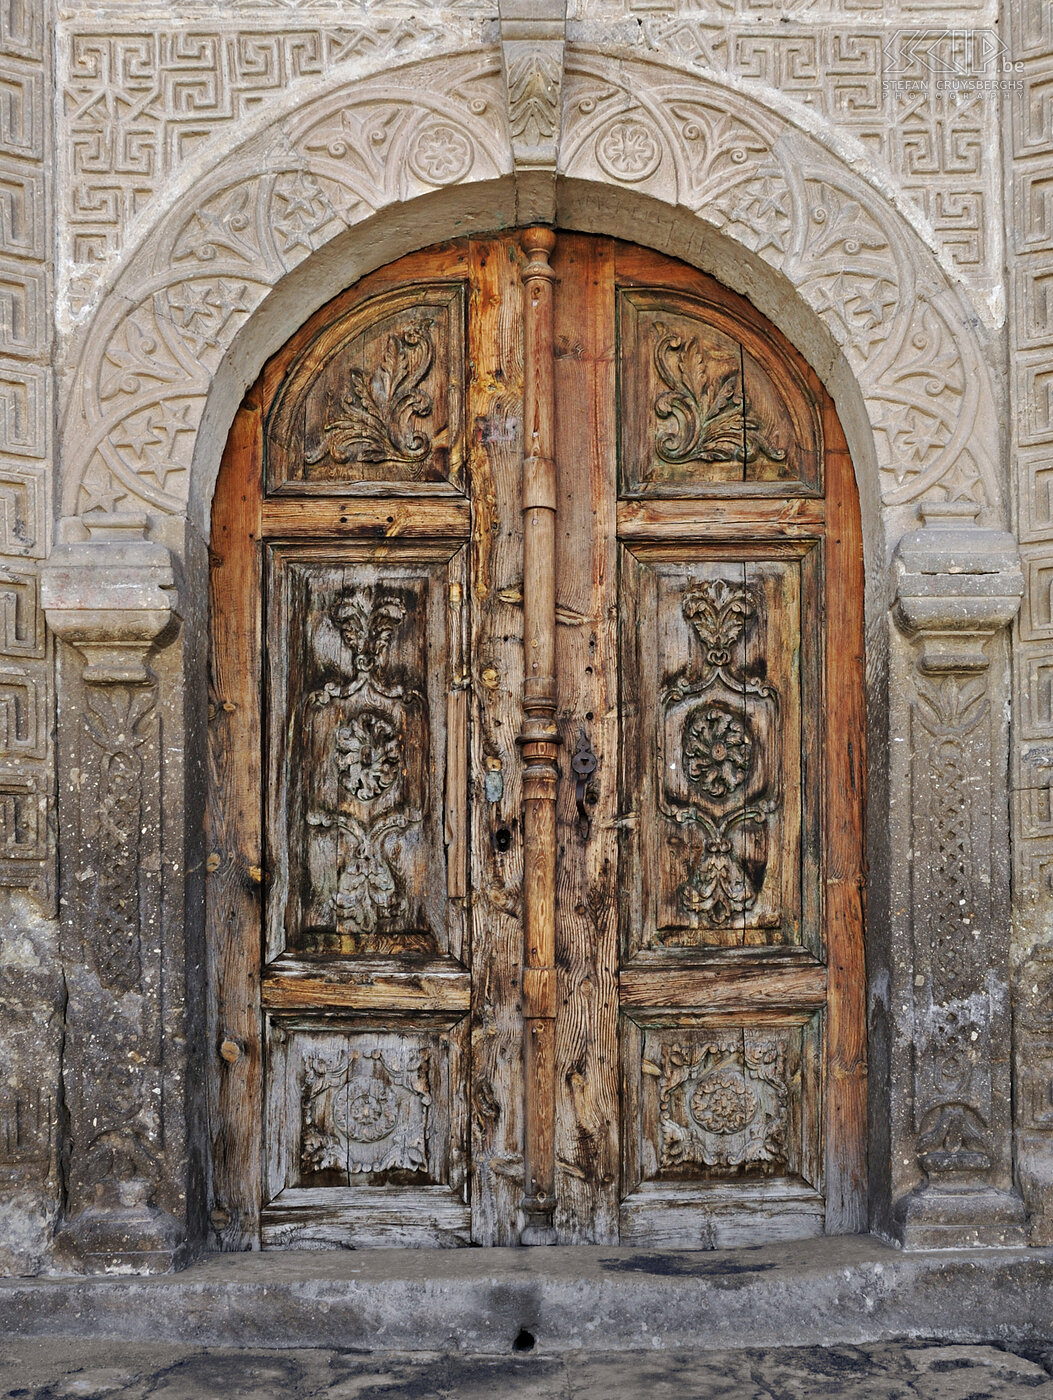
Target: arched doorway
x,y
540,749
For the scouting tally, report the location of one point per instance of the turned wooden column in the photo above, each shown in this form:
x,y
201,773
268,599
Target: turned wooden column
x,y
538,740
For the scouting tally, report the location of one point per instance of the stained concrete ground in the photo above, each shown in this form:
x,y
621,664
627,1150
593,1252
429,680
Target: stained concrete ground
x,y
68,1370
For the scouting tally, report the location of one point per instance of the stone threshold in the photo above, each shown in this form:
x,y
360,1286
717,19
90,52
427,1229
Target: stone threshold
x,y
852,1289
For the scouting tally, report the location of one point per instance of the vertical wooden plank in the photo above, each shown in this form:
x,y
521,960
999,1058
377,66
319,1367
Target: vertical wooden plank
x,y
586,1126
845,762
234,840
496,675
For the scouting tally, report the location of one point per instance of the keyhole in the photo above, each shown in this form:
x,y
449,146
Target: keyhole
x,y
502,838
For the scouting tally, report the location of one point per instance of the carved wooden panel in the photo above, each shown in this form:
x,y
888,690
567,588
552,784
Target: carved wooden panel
x,y
714,751
720,1112
376,400
359,1106
365,668
707,1038
707,403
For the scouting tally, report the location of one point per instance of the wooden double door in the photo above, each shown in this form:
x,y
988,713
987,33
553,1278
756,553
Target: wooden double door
x,y
535,855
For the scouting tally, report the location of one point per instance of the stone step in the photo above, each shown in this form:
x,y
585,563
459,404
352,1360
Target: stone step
x,y
491,1301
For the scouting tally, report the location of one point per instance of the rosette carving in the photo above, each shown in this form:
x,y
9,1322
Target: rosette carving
x,y
723,1103
716,716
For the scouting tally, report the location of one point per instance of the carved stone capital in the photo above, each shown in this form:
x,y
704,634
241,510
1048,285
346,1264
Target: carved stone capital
x,y
957,584
112,596
532,47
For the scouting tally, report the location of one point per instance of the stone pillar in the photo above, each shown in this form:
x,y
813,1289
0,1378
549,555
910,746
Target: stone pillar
x,y
958,588
113,601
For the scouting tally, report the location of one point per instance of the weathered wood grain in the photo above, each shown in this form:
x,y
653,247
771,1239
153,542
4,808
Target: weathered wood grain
x,y
314,517
696,520
586,1126
301,986
360,1218
496,671
538,606
234,873
725,985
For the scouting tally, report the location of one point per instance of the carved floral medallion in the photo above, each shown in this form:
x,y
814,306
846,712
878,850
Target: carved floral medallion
x,y
718,720
366,1111
629,151
717,750
723,1103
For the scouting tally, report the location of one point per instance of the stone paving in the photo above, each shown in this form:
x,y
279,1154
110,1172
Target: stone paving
x,y
77,1370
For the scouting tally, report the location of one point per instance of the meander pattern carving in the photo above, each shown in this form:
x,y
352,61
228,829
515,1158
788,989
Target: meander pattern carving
x,y
900,325
720,153
1029,223
26,406
344,156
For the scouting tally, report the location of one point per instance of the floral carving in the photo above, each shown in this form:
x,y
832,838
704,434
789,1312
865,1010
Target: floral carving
x,y
442,154
356,752
383,405
723,1102
369,754
367,1112
629,151
720,612
704,404
717,750
718,888
118,723
367,886
533,96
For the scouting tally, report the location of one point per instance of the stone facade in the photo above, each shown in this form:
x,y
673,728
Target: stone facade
x,y
875,177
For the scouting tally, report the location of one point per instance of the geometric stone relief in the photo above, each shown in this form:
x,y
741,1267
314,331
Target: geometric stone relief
x,y
901,325
887,88
219,250
139,106
1029,188
26,406
951,716
146,366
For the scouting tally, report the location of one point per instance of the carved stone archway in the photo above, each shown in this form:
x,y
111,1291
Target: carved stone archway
x,y
323,191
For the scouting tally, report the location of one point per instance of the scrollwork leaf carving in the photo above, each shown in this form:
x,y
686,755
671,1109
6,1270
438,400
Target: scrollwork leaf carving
x,y
705,406
384,406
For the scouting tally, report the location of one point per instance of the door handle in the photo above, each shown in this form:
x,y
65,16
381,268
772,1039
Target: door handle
x,y
583,762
